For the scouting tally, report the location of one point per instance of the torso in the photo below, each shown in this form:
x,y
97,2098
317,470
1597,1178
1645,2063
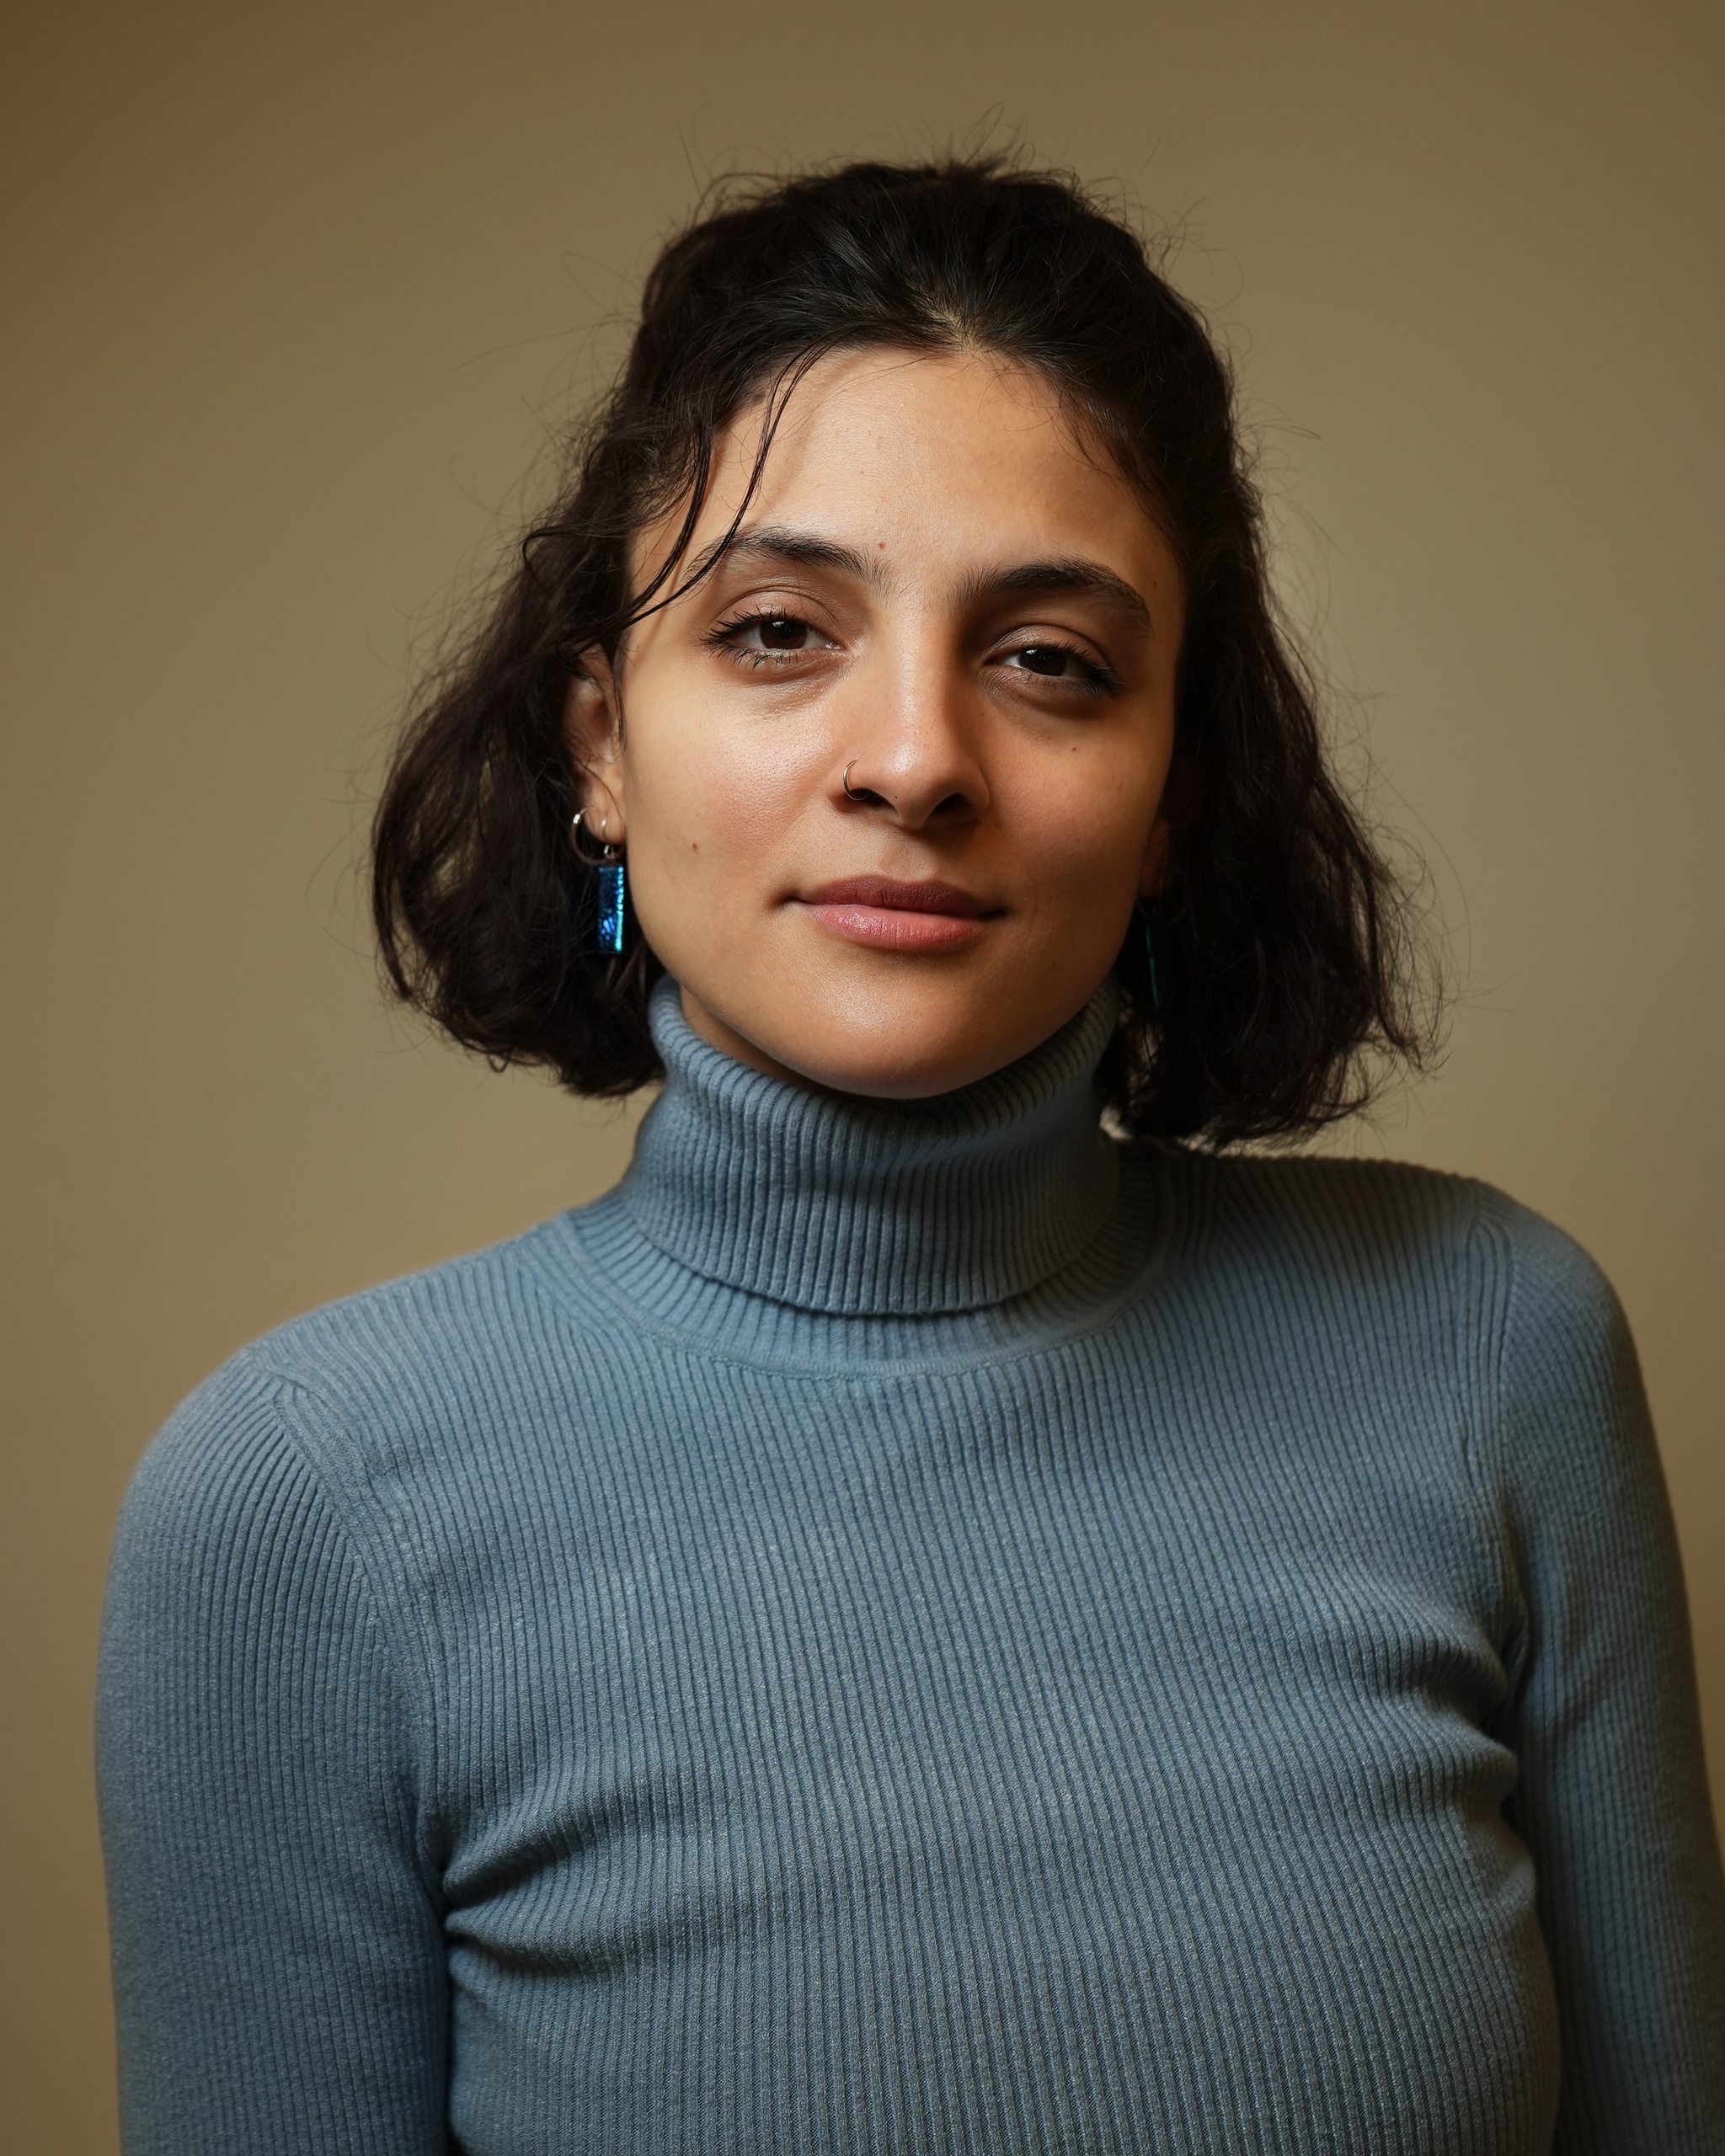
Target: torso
x,y
1082,1747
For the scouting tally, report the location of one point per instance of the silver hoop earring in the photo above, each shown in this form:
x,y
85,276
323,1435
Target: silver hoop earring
x,y
576,823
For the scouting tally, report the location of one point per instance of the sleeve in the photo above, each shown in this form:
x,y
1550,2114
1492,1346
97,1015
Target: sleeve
x,y
279,1975
1612,1796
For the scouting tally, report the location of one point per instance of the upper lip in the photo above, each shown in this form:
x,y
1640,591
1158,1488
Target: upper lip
x,y
888,893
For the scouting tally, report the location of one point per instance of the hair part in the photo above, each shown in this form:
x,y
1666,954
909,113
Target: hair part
x,y
1285,979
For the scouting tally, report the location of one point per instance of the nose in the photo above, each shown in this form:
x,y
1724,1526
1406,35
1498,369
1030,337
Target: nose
x,y
910,752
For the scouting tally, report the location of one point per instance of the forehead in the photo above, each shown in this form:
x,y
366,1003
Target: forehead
x,y
924,459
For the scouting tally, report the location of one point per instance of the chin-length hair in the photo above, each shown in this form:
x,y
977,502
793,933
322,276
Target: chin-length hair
x,y
1281,983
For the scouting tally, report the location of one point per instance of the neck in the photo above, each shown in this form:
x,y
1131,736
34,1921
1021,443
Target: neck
x,y
834,1202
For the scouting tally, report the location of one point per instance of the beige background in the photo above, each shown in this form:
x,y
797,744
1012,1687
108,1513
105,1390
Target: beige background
x,y
292,298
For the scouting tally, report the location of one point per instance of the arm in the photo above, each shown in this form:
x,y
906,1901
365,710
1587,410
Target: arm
x,y
278,1957
1612,1799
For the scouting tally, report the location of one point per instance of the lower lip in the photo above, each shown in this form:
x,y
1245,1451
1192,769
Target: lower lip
x,y
893,928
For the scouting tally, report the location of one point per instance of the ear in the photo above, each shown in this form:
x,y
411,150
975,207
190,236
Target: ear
x,y
1156,870
592,726
1177,813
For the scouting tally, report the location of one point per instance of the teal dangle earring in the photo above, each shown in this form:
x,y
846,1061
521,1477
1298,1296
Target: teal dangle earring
x,y
608,874
1156,984
610,906
1156,957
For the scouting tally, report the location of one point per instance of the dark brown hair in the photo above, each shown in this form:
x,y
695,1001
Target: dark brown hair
x,y
1281,969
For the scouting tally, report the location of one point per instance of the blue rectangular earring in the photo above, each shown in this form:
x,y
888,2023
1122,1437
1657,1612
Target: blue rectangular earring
x,y
608,875
1156,984
611,905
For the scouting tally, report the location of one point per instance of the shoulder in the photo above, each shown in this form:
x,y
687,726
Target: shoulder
x,y
1512,1304
1557,1298
363,1394
444,1327
1448,1283
1316,1219
1357,1209
1371,1200
1571,1411
1517,1291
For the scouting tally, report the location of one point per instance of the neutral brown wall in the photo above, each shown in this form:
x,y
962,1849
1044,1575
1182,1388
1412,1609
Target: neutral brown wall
x,y
293,295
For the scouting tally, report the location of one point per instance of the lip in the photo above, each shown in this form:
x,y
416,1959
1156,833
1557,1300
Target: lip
x,y
886,894
887,914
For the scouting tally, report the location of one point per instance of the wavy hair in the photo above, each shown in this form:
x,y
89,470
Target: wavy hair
x,y
1284,976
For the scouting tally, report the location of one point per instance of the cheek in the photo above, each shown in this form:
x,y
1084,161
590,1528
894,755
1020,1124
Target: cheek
x,y
707,807
1084,823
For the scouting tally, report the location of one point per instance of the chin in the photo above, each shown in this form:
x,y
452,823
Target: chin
x,y
894,1061
903,1040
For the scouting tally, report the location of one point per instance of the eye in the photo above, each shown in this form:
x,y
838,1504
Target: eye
x,y
1060,662
761,637
1045,659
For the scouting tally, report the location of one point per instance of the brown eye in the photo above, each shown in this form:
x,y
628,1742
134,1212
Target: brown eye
x,y
1043,659
1058,662
754,638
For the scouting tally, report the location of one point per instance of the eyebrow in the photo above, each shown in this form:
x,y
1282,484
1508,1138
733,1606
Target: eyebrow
x,y
772,542
1072,573
1066,572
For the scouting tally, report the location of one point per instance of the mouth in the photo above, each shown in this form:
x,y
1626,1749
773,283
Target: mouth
x,y
889,915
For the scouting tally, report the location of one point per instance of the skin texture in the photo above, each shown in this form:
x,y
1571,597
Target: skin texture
x,y
941,585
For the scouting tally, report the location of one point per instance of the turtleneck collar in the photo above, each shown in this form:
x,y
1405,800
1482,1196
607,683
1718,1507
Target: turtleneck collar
x,y
833,1202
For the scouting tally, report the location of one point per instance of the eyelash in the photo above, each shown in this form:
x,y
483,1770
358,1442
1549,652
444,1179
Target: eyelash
x,y
1094,679
720,637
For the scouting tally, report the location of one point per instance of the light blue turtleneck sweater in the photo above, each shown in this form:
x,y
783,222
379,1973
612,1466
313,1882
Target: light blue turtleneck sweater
x,y
922,1630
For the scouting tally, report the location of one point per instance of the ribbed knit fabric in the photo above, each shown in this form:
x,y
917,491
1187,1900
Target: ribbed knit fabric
x,y
924,1631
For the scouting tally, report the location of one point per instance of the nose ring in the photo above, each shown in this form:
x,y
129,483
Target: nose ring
x,y
846,782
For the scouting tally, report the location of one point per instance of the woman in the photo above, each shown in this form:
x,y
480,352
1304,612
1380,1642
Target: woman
x,y
922,1622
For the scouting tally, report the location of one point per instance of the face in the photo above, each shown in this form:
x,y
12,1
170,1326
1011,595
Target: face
x,y
890,774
